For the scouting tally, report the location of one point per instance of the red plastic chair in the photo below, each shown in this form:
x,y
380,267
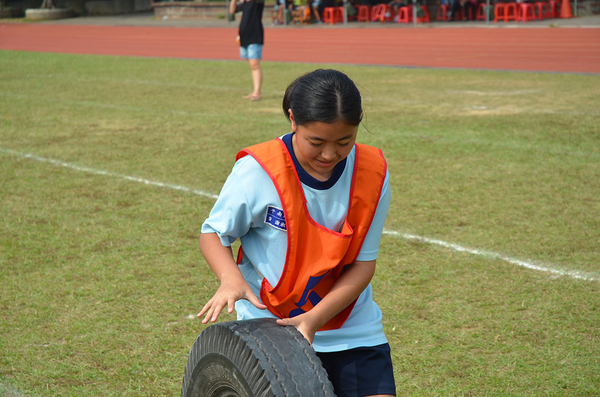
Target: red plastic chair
x,y
505,11
333,15
553,9
379,13
339,14
480,14
499,11
442,12
525,12
328,15
510,12
425,18
542,9
405,14
374,12
363,14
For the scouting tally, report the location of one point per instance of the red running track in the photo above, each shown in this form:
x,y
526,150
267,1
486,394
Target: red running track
x,y
571,50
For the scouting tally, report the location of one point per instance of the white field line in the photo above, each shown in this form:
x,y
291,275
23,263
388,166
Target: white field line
x,y
9,391
542,267
108,173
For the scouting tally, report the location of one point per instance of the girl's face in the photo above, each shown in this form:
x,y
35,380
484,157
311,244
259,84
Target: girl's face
x,y
320,146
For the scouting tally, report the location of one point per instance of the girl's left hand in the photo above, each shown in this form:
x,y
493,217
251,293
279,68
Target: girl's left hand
x,y
354,279
303,324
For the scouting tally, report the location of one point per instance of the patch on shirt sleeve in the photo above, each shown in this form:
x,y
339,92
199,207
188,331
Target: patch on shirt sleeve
x,y
275,218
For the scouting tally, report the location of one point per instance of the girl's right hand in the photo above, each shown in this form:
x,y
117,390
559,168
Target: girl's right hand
x,y
230,291
303,324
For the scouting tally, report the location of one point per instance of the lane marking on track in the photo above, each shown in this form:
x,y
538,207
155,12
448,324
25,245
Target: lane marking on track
x,y
532,265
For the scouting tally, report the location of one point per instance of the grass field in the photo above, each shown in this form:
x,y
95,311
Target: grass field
x,y
488,275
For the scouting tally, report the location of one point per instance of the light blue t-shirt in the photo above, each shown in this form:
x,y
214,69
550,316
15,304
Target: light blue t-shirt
x,y
242,211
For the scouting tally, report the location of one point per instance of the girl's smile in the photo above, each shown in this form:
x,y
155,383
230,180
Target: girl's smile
x,y
319,146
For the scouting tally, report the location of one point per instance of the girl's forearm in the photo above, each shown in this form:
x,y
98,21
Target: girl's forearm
x,y
219,258
353,281
233,285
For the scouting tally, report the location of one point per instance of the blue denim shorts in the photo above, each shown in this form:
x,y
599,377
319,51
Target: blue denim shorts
x,y
253,51
363,371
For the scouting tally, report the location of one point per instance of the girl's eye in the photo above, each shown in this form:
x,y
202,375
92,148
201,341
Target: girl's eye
x,y
343,143
314,144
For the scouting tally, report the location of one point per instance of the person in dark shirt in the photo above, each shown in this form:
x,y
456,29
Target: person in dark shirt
x,y
251,39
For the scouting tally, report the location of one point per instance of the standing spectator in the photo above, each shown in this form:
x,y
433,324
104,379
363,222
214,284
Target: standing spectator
x,y
251,39
314,9
281,7
468,8
278,7
455,6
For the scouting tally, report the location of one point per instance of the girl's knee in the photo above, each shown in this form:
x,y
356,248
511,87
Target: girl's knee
x,y
254,64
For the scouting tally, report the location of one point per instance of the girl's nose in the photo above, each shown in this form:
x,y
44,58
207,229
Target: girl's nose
x,y
328,154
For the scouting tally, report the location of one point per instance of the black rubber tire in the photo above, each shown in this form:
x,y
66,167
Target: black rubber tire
x,y
254,358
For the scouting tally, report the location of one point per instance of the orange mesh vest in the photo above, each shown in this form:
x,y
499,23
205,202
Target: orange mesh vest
x,y
316,255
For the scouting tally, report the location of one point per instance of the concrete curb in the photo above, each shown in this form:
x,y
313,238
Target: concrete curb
x,y
44,14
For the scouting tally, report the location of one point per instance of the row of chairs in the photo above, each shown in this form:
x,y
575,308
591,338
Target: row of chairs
x,y
380,12
502,12
526,11
508,11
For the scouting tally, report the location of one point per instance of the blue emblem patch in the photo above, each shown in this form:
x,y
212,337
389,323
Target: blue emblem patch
x,y
275,218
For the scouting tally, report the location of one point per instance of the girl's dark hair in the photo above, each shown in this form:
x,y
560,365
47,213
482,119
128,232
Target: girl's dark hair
x,y
325,95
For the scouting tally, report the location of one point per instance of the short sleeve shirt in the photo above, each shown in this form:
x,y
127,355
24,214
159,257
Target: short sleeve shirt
x,y
251,28
241,211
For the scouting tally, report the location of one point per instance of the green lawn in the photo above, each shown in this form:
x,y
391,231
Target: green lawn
x,y
101,273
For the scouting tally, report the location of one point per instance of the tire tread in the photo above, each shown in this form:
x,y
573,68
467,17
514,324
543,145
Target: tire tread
x,y
275,361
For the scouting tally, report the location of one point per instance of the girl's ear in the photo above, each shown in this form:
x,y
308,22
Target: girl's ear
x,y
294,126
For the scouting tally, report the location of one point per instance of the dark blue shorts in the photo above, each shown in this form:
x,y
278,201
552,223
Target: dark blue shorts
x,y
363,371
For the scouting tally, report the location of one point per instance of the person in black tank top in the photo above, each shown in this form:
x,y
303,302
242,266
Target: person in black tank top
x,y
251,39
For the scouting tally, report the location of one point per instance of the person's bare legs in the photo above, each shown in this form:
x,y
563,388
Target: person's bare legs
x,y
256,80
